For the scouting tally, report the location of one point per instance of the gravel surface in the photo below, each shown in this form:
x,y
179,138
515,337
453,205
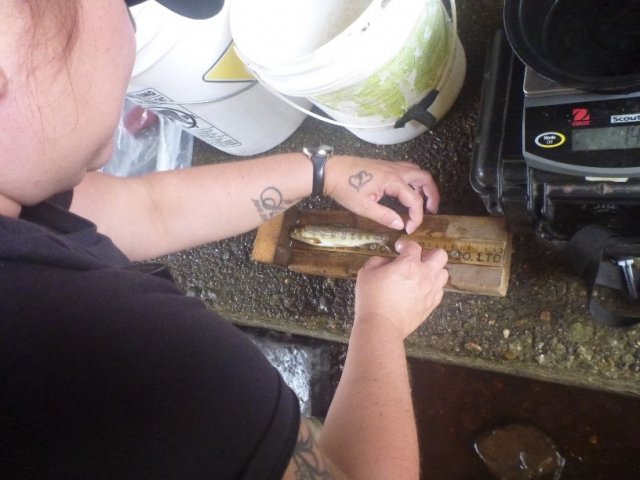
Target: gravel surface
x,y
541,329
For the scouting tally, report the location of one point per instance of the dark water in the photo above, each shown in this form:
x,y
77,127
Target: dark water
x,y
596,433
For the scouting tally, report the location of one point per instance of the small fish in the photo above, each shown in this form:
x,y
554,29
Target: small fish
x,y
330,236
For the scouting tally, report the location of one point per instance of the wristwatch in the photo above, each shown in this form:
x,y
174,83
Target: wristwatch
x,y
318,156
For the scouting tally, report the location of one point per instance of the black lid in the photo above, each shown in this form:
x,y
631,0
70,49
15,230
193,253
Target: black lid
x,y
587,44
196,9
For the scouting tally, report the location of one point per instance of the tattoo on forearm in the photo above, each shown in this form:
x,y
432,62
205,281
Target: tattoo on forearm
x,y
270,203
309,466
360,179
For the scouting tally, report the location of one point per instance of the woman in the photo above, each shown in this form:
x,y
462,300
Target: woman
x,y
108,370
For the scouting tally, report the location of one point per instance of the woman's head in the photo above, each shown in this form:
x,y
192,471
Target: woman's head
x,y
66,65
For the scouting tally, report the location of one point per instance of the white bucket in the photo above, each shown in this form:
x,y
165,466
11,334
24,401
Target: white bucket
x,y
188,70
365,63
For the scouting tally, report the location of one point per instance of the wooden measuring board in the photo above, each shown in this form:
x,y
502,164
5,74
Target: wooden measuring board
x,y
479,248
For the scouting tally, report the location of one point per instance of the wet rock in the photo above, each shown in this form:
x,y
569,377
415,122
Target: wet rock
x,y
583,353
210,296
580,333
627,359
510,355
561,290
519,452
323,305
545,316
513,351
328,283
559,350
192,292
274,300
472,347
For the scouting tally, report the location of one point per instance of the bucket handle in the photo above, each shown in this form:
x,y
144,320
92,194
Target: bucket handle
x,y
420,111
416,112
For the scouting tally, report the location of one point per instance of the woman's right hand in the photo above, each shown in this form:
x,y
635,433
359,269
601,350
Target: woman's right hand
x,y
400,294
359,183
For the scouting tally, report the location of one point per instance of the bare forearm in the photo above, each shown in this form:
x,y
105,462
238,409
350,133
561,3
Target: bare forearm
x,y
168,211
370,429
215,202
165,212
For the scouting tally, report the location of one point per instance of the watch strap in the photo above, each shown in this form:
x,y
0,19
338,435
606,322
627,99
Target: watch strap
x,y
318,157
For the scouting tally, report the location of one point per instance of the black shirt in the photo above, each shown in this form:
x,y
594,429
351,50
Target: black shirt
x,y
110,372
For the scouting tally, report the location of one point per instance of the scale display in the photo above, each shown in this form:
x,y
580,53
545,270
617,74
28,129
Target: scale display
x,y
594,136
606,138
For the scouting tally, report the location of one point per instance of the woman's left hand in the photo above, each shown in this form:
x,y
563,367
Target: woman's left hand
x,y
358,184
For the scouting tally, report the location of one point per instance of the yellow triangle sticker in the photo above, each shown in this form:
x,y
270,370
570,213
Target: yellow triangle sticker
x,y
228,68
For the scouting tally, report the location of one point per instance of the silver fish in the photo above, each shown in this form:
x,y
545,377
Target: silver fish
x,y
330,236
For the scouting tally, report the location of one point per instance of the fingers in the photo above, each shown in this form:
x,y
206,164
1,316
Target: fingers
x,y
438,298
383,215
423,181
411,199
442,278
410,190
438,257
405,181
404,163
375,262
433,262
408,248
433,199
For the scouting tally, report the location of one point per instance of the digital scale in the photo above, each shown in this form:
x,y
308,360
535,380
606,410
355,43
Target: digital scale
x,y
553,157
575,133
556,159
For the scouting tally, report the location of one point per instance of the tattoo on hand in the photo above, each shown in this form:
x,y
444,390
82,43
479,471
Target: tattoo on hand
x,y
271,203
360,179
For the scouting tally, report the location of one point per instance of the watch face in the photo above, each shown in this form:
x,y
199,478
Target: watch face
x,y
325,149
318,150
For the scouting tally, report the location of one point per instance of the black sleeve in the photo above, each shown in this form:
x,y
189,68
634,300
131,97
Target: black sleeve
x,y
107,376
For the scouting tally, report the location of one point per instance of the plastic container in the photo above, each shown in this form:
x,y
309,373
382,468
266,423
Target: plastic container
x,y
591,45
365,63
188,71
